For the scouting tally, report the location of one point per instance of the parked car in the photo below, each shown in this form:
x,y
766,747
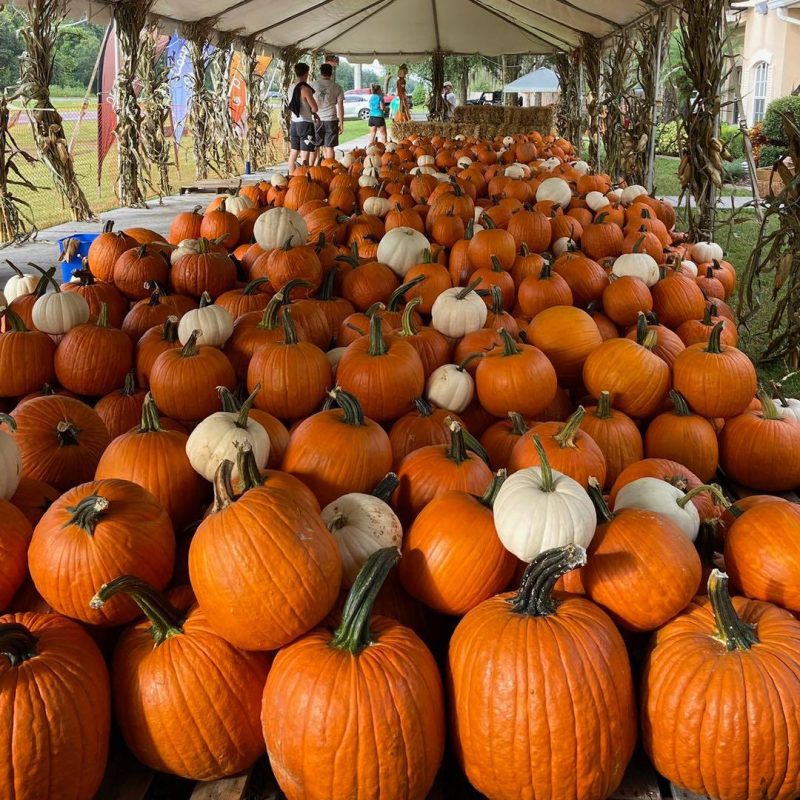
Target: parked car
x,y
356,106
387,98
487,99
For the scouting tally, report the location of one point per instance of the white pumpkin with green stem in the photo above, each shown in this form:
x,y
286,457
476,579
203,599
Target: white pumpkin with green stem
x,y
19,283
459,311
597,200
401,248
377,206
222,435
277,226
59,312
362,524
788,407
10,460
539,508
450,386
555,190
214,322
653,494
637,265
704,252
630,193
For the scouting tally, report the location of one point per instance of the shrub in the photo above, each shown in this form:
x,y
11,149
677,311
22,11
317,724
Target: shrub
x,y
770,153
772,127
419,95
734,171
732,135
667,143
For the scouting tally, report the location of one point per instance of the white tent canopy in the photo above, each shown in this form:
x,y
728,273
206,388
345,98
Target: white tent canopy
x,y
540,80
398,30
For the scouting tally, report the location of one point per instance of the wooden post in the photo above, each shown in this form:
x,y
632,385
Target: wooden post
x,y
436,107
661,23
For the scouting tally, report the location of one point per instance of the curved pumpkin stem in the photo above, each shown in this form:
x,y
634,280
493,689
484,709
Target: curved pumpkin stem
x,y
251,287
768,407
247,405
151,422
17,643
249,473
129,388
386,486
604,513
468,288
566,436
603,406
15,321
399,293
353,633
490,495
509,345
352,413
165,620
377,344
289,330
223,489
731,629
408,328
89,512
189,350
269,319
679,401
286,290
469,359
535,595
713,489
714,340
424,408
458,449
548,482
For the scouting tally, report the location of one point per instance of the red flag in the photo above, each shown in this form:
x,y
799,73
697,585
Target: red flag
x,y
106,116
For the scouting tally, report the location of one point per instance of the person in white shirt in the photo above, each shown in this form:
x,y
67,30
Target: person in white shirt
x,y
450,100
330,102
303,107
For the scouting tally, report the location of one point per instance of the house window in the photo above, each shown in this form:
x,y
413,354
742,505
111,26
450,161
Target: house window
x,y
760,76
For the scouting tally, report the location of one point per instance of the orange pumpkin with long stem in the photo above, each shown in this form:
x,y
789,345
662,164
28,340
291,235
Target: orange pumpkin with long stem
x,y
432,347
121,410
26,357
424,426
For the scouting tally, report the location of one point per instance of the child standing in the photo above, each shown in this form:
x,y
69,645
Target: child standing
x,y
376,120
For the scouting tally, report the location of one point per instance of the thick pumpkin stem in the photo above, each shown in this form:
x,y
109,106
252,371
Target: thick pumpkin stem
x,y
165,620
353,633
253,285
548,482
289,330
595,491
546,271
603,406
17,643
285,293
468,288
247,405
151,422
223,488
714,340
66,432
205,300
497,300
713,489
768,408
490,495
6,419
650,340
518,425
566,436
424,408
679,401
189,350
326,287
269,319
641,328
458,449
731,629
352,413
535,595
386,486
777,390
15,321
129,388
377,344
399,293
469,359
509,345
407,320
89,512
249,474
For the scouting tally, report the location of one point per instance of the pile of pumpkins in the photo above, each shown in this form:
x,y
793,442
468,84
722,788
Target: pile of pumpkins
x,y
475,360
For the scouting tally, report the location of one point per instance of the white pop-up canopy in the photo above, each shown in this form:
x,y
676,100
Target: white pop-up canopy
x,y
398,30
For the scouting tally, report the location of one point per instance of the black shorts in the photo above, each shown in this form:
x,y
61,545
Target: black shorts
x,y
377,122
328,133
302,136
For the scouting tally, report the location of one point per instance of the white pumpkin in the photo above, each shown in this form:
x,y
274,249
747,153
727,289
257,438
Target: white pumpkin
x,y
10,461
564,245
689,267
334,356
366,181
703,252
441,176
597,200
451,387
788,408
235,204
478,214
458,311
556,190
427,170
537,509
653,494
508,141
58,312
377,206
425,161
214,322
361,525
401,248
370,171
373,161
549,164
17,285
464,162
188,247
614,194
278,181
581,167
279,225
346,159
222,435
390,147
514,171
630,193
637,265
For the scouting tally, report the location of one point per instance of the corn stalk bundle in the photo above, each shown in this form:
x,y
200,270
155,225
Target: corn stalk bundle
x,y
702,40
43,20
260,147
591,57
16,217
201,105
289,56
776,257
616,81
225,138
155,103
436,105
568,111
130,17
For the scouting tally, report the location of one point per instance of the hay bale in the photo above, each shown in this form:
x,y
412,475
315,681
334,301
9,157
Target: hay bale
x,y
507,119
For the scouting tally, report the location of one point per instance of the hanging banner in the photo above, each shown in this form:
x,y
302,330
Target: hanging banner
x,y
106,116
180,69
237,98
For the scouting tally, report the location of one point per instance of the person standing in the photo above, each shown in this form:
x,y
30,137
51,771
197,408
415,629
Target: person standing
x,y
450,99
303,107
330,103
377,123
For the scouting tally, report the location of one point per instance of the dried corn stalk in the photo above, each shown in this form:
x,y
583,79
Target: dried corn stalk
x,y
436,106
43,20
201,104
225,138
155,103
591,49
774,265
616,84
568,111
702,39
260,147
130,17
16,217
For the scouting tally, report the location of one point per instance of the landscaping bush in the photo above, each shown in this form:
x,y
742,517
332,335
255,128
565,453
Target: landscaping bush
x,y
734,171
419,95
770,153
667,143
772,126
732,135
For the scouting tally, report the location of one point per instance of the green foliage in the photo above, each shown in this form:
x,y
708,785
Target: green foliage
x,y
419,95
344,76
76,53
770,153
734,171
772,127
667,143
10,48
732,135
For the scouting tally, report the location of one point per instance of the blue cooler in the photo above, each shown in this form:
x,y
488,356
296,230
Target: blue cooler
x,y
68,267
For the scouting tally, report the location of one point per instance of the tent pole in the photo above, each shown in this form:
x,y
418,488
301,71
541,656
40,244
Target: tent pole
x,y
651,141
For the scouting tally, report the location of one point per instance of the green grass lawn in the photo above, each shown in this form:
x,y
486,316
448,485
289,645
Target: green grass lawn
x,y
353,128
667,183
